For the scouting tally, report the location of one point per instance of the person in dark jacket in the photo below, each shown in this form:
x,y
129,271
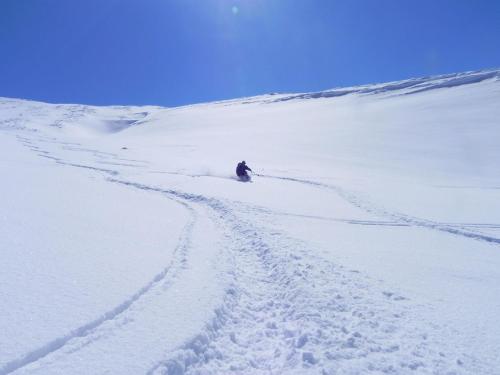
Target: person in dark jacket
x,y
241,170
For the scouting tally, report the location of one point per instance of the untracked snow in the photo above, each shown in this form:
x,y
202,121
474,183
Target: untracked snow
x,y
368,241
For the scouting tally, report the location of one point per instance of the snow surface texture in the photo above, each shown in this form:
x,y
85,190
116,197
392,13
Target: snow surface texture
x,y
367,242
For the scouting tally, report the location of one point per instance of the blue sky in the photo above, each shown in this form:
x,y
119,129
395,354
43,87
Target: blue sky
x,y
174,52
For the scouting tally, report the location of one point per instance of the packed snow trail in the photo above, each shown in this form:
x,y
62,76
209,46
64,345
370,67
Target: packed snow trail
x,y
298,314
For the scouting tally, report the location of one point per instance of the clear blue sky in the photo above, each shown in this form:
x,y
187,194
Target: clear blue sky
x,y
172,52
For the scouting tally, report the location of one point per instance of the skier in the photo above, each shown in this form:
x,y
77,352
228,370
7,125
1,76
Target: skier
x,y
241,171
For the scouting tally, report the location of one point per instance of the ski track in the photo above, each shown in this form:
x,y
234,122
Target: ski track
x,y
288,310
264,210
165,277
456,229
295,313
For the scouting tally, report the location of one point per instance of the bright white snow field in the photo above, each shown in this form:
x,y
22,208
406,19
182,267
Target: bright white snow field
x,y
367,242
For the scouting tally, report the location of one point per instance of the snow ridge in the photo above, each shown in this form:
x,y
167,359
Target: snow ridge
x,y
406,87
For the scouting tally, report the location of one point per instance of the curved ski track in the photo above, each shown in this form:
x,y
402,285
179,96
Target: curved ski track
x,y
164,279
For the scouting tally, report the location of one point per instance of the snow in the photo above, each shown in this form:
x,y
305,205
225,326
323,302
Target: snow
x,y
367,241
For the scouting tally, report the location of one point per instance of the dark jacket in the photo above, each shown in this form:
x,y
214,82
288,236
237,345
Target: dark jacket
x,y
241,169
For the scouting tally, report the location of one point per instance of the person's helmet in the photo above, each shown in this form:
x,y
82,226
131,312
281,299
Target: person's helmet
x,y
243,162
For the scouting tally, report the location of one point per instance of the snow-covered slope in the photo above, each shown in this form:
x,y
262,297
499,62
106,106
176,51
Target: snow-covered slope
x,y
368,241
